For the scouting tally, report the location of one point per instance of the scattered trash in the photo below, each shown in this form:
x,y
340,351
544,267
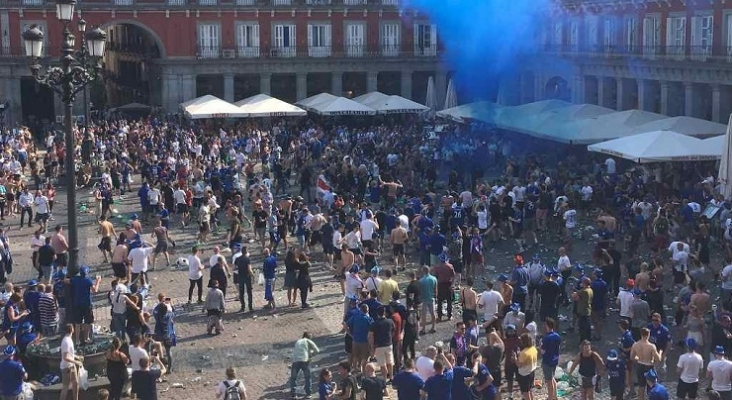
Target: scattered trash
x,y
234,335
196,379
177,386
265,357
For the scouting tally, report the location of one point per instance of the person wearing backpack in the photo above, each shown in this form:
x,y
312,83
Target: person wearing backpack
x,y
231,388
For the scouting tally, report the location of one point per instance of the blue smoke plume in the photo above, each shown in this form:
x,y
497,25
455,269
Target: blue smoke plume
x,y
484,39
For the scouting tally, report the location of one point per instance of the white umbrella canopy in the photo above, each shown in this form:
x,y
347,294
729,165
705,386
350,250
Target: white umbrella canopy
x,y
263,105
725,167
311,101
211,107
338,106
656,146
686,125
451,96
596,129
371,97
396,105
484,111
513,117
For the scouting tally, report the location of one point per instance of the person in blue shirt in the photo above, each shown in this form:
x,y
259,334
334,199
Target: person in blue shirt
x,y
424,243
358,327
550,343
269,270
325,385
457,374
520,282
660,335
82,289
30,298
615,367
654,390
25,337
436,246
482,380
407,382
164,215
144,202
439,385
12,374
599,295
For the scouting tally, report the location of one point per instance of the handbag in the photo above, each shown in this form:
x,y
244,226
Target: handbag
x,y
260,279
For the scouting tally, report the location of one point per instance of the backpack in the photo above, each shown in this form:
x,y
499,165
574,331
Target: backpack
x,y
232,391
536,273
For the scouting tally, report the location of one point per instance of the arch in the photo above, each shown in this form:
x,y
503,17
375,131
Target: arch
x,y
147,29
558,88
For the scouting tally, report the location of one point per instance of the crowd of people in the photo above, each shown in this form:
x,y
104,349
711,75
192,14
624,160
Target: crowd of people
x,y
373,203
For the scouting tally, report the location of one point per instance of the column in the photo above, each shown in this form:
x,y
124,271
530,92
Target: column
x,y
406,84
336,83
441,88
170,93
716,102
229,88
538,87
689,99
265,83
578,89
188,87
11,94
642,95
301,85
664,97
601,91
623,94
372,81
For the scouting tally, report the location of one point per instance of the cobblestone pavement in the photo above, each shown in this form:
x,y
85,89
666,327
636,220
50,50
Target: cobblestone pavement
x,y
259,344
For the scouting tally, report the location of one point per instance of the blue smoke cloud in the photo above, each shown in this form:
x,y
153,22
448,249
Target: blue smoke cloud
x,y
484,39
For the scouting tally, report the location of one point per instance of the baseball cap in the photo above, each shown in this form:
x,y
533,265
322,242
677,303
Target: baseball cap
x,y
547,272
32,282
612,355
515,307
719,350
637,292
503,278
597,271
443,257
518,259
579,268
691,343
9,350
375,271
84,270
354,269
26,327
510,327
134,216
651,375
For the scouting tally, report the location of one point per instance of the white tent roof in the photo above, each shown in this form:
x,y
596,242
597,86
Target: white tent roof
x,y
394,105
596,129
211,107
481,110
656,146
715,145
327,104
513,117
263,105
370,97
532,124
686,125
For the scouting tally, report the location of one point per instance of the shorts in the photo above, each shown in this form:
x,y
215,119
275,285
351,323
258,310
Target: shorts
x,y
457,265
511,372
181,208
428,307
105,244
360,351
42,217
541,213
469,314
83,315
684,390
525,382
679,277
120,270
259,232
161,247
398,249
476,258
617,390
204,226
384,355
548,371
62,259
586,382
337,255
640,374
68,376
357,251
328,248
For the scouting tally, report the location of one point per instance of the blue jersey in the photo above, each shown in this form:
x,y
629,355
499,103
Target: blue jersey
x,y
616,372
599,294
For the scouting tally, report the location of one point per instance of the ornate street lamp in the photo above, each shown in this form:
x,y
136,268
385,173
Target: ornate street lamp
x,y
77,70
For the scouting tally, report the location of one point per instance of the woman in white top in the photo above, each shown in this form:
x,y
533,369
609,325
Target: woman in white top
x,y
231,384
195,275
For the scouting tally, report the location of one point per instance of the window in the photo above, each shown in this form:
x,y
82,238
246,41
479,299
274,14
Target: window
x,y
728,26
591,32
208,40
390,39
609,37
676,37
42,27
176,2
425,40
319,40
651,36
123,2
574,36
557,39
701,37
355,40
284,41
244,2
631,35
281,2
207,2
247,40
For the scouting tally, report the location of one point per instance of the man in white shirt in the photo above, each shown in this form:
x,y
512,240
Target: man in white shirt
x,y
689,366
181,207
229,385
25,202
195,275
425,363
69,365
137,352
674,247
625,297
41,202
490,301
139,258
720,372
570,221
727,281
368,227
610,166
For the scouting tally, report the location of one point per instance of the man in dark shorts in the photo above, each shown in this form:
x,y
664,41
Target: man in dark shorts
x,y
82,288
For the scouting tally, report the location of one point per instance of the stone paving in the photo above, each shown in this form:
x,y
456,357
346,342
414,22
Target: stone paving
x,y
259,344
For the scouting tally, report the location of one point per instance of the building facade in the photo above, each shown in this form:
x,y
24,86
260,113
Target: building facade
x,y
672,57
164,52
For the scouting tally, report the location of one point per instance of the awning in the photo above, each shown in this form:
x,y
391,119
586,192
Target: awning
x,y
656,146
686,125
263,105
386,104
483,111
596,129
209,106
327,104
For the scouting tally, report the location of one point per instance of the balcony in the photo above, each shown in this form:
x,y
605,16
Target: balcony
x,y
123,2
33,2
354,51
282,2
282,52
390,50
176,2
700,53
134,50
389,2
245,2
318,2
247,52
319,51
208,2
355,2
425,51
209,52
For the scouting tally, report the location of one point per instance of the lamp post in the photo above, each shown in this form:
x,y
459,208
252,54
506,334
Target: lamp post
x,y
68,80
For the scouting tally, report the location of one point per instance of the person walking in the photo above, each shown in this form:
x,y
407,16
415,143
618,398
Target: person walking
x,y
195,274
590,365
214,306
243,266
304,283
69,365
231,388
303,351
144,381
719,374
550,344
269,270
527,364
689,366
116,369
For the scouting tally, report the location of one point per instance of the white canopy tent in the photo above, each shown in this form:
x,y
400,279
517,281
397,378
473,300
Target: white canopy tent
x,y
484,111
370,97
533,124
596,129
514,117
263,105
686,125
385,104
327,104
656,146
209,106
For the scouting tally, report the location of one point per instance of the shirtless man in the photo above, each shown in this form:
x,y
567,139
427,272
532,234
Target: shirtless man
x,y
106,229
163,237
119,259
645,355
136,225
642,279
469,301
397,238
391,190
347,260
700,299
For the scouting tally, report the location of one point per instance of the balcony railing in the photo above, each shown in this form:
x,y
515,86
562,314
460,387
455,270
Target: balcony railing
x,y
123,2
390,50
390,2
281,2
672,53
700,53
245,2
176,2
318,2
319,51
354,51
209,51
207,2
425,51
355,2
33,2
282,52
248,52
